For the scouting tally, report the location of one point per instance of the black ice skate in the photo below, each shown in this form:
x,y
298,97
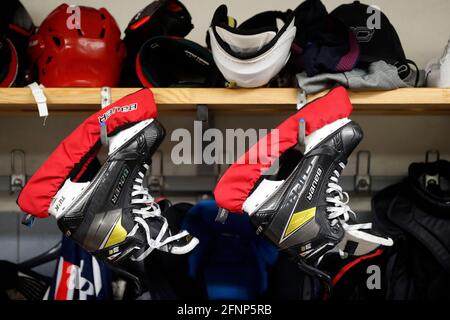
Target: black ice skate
x,y
305,212
114,216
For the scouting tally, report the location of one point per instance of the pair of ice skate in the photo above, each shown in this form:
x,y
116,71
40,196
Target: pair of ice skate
x,y
303,211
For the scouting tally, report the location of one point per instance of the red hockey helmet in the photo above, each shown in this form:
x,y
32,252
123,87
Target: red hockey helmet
x,y
77,46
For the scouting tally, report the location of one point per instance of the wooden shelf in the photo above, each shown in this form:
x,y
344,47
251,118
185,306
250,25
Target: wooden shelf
x,y
420,101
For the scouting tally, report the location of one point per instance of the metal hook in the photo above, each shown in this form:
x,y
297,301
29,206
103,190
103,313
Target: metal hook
x,y
18,175
302,134
207,120
156,179
363,181
203,115
429,178
105,94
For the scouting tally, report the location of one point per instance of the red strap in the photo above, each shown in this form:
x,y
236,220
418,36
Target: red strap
x,y
350,265
140,23
19,29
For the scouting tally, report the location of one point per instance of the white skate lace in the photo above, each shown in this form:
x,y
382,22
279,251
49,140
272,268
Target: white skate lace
x,y
340,210
151,210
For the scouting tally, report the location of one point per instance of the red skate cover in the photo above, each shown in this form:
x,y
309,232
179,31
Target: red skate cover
x,y
74,153
235,185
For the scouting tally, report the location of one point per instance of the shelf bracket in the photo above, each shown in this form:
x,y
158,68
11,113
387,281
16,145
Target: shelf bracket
x,y
301,98
105,94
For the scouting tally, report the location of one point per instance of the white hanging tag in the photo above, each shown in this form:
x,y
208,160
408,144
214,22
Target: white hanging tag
x,y
40,98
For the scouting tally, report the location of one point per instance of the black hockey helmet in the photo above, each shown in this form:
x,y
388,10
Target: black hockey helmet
x,y
176,62
17,26
159,18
